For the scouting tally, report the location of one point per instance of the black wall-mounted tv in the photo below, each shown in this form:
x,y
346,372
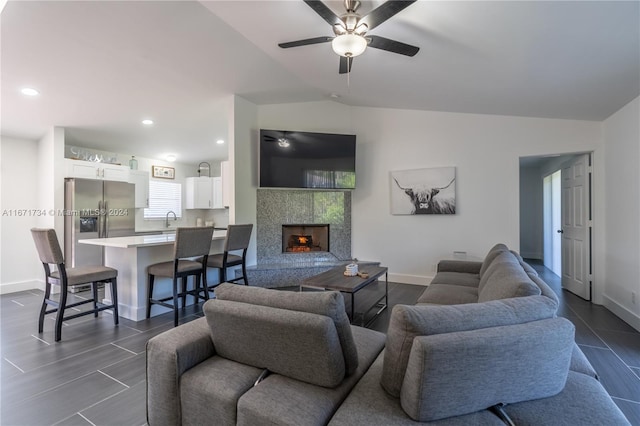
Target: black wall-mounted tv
x,y
290,159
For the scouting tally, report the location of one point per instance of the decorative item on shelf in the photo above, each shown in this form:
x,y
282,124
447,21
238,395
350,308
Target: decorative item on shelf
x,y
208,223
163,172
208,168
351,270
133,163
198,221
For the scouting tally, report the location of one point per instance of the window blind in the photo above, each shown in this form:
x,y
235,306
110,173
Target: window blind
x,y
163,197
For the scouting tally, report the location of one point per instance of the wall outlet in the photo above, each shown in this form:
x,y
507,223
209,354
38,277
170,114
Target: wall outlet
x,y
633,297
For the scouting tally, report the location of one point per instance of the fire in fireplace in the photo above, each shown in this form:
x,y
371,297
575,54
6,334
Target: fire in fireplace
x,y
305,238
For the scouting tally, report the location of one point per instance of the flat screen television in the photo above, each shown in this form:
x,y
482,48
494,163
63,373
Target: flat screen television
x,y
290,159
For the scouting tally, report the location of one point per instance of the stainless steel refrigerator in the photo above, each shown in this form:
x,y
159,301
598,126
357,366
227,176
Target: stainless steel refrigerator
x,y
95,209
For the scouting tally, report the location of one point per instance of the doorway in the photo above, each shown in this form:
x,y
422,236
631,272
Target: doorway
x,y
556,224
552,211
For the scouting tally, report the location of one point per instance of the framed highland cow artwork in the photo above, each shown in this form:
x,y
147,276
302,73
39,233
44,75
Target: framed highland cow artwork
x,y
423,191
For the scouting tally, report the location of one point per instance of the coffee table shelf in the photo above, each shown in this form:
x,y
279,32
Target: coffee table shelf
x,y
334,279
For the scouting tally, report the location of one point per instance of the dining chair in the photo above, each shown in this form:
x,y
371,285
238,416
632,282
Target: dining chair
x,y
237,239
190,243
50,253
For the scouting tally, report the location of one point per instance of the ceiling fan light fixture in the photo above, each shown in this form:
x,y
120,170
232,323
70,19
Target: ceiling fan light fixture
x,y
349,45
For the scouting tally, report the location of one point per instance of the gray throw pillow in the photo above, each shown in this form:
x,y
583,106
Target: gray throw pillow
x,y
327,303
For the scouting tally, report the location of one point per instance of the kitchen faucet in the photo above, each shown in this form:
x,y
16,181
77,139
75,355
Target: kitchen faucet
x,y
166,222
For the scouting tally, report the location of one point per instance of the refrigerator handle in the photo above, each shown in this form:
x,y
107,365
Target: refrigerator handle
x,y
106,220
100,219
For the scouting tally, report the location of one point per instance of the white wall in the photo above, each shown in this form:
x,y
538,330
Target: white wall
x,y
20,268
485,150
622,141
243,160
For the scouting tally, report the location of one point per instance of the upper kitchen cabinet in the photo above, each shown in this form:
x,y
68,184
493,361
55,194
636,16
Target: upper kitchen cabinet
x,y
140,179
203,193
92,170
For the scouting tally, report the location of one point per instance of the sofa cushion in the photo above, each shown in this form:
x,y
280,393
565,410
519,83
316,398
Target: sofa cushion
x,y
504,279
328,303
446,294
285,401
459,373
300,345
202,397
491,255
456,278
407,322
583,401
369,404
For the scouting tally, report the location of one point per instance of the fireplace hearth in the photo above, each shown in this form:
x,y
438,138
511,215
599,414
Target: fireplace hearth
x,y
305,238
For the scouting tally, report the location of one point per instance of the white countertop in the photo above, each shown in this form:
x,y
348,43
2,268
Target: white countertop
x,y
142,240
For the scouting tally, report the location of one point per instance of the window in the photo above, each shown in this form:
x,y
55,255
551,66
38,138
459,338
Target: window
x,y
163,197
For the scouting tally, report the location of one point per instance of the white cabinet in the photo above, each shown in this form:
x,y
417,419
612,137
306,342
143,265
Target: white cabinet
x,y
203,193
199,192
217,193
140,179
92,170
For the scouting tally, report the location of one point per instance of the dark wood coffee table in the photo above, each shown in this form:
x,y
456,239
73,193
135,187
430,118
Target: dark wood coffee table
x,y
334,279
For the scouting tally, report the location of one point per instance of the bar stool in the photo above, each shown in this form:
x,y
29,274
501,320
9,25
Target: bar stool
x,y
238,237
50,253
190,242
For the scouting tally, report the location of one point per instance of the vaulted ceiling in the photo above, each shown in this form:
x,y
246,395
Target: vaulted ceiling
x,y
102,66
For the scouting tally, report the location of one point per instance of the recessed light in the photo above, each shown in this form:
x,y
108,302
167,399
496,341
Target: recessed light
x,y
171,158
147,122
219,141
28,91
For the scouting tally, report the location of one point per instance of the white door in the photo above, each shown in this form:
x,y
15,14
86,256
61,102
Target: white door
x,y
576,226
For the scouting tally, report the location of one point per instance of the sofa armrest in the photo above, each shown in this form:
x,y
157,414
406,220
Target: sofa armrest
x,y
168,356
466,266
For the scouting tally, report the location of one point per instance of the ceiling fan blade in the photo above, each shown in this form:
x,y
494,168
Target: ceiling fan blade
x,y
392,45
380,14
345,65
305,42
322,10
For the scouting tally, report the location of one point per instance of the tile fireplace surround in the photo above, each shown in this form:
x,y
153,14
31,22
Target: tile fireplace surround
x,y
287,207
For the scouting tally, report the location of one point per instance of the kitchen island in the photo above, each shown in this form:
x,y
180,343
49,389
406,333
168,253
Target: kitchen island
x,y
131,256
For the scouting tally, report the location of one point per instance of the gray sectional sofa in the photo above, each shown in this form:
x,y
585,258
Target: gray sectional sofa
x,y
482,346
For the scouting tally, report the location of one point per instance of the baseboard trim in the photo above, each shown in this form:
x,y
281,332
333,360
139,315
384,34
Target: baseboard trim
x,y
531,255
625,314
21,286
410,279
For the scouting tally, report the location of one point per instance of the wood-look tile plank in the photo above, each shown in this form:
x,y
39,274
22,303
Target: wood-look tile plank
x,y
62,402
584,334
626,345
75,420
126,408
75,339
66,370
631,410
129,371
636,371
600,318
615,376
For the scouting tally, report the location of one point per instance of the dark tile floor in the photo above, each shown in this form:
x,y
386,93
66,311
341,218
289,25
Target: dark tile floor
x,y
96,374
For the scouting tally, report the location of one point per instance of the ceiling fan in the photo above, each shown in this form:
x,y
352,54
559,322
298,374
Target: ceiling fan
x,y
351,28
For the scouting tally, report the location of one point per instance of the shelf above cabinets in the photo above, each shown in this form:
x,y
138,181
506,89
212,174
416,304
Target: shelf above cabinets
x,y
101,171
203,193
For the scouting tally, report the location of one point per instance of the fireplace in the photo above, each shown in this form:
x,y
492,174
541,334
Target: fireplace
x,y
304,238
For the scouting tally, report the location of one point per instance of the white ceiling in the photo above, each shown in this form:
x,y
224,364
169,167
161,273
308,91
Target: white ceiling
x,y
103,66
